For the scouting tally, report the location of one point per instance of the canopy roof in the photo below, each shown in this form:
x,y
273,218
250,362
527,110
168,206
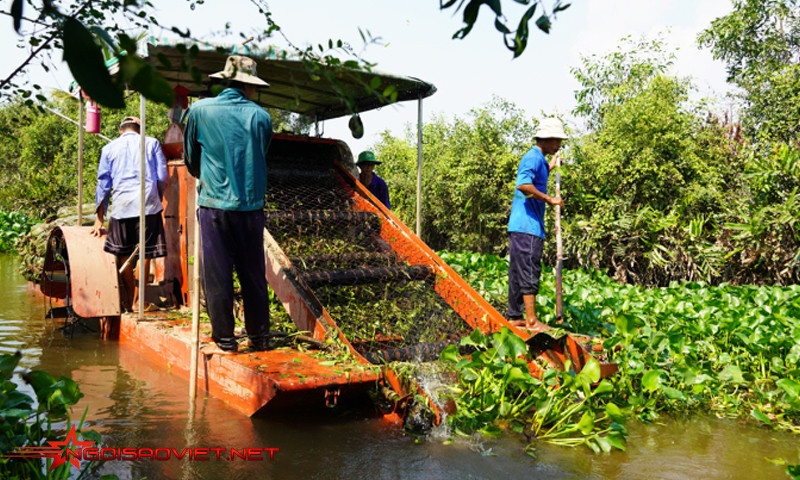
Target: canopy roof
x,y
294,85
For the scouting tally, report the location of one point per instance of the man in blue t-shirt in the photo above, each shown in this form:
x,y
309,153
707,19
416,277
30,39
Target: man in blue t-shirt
x,y
526,225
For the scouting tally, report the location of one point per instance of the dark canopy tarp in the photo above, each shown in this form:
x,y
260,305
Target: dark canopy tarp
x,y
294,85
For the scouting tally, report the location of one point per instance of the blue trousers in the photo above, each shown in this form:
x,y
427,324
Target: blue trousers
x,y
524,270
231,239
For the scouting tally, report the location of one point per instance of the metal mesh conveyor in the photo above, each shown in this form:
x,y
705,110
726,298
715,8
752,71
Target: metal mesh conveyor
x,y
385,305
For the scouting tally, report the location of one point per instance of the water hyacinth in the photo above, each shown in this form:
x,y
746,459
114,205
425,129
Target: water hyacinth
x,y
730,350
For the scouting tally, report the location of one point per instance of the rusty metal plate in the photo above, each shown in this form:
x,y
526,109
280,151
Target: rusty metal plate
x,y
92,274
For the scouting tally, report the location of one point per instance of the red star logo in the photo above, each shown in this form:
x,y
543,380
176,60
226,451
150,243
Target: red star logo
x,y
68,453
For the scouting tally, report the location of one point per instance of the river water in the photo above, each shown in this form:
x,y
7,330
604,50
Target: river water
x,y
136,404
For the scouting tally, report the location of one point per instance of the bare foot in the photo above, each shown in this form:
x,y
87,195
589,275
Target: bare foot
x,y
534,325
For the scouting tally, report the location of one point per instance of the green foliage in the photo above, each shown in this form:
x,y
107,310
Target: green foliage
x,y
28,422
39,159
515,40
731,350
92,35
469,169
13,225
657,193
487,274
760,42
563,408
762,229
672,174
608,81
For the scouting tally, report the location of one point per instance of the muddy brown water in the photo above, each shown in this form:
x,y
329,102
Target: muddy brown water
x,y
138,404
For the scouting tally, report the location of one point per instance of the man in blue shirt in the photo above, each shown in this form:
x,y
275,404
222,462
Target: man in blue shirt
x,y
225,146
526,225
118,178
375,184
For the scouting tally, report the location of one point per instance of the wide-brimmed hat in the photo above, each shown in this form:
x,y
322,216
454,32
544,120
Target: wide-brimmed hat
x,y
367,157
550,128
130,121
241,69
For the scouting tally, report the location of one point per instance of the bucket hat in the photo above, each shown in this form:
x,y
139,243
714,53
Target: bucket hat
x,y
550,128
367,157
241,69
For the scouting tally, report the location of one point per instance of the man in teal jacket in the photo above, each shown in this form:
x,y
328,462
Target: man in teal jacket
x,y
225,146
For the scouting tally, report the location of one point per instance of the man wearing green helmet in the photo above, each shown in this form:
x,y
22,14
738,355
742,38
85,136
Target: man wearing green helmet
x,y
375,184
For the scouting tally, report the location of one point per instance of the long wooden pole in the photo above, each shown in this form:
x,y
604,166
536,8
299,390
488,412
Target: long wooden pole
x,y
419,169
559,245
195,312
142,190
80,158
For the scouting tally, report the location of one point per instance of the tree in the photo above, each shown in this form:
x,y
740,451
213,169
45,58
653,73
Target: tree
x,y
471,164
608,81
760,43
648,186
39,158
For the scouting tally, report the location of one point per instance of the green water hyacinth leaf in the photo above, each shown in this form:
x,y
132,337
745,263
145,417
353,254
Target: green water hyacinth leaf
x,y
613,411
651,381
604,444
450,354
508,344
586,424
491,431
40,381
617,440
732,374
604,387
515,374
791,387
591,370
14,399
624,325
8,363
758,415
673,394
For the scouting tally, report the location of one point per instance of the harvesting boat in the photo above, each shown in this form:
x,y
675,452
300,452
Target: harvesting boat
x,y
347,271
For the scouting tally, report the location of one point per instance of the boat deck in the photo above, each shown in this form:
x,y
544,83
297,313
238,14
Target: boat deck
x,y
248,381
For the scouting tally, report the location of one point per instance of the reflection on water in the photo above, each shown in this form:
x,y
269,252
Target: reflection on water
x,y
135,403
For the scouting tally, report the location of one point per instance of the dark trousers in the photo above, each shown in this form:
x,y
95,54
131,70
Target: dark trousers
x,y
231,240
524,270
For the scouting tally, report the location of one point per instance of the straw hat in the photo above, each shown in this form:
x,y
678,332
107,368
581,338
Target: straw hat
x,y
241,69
550,128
